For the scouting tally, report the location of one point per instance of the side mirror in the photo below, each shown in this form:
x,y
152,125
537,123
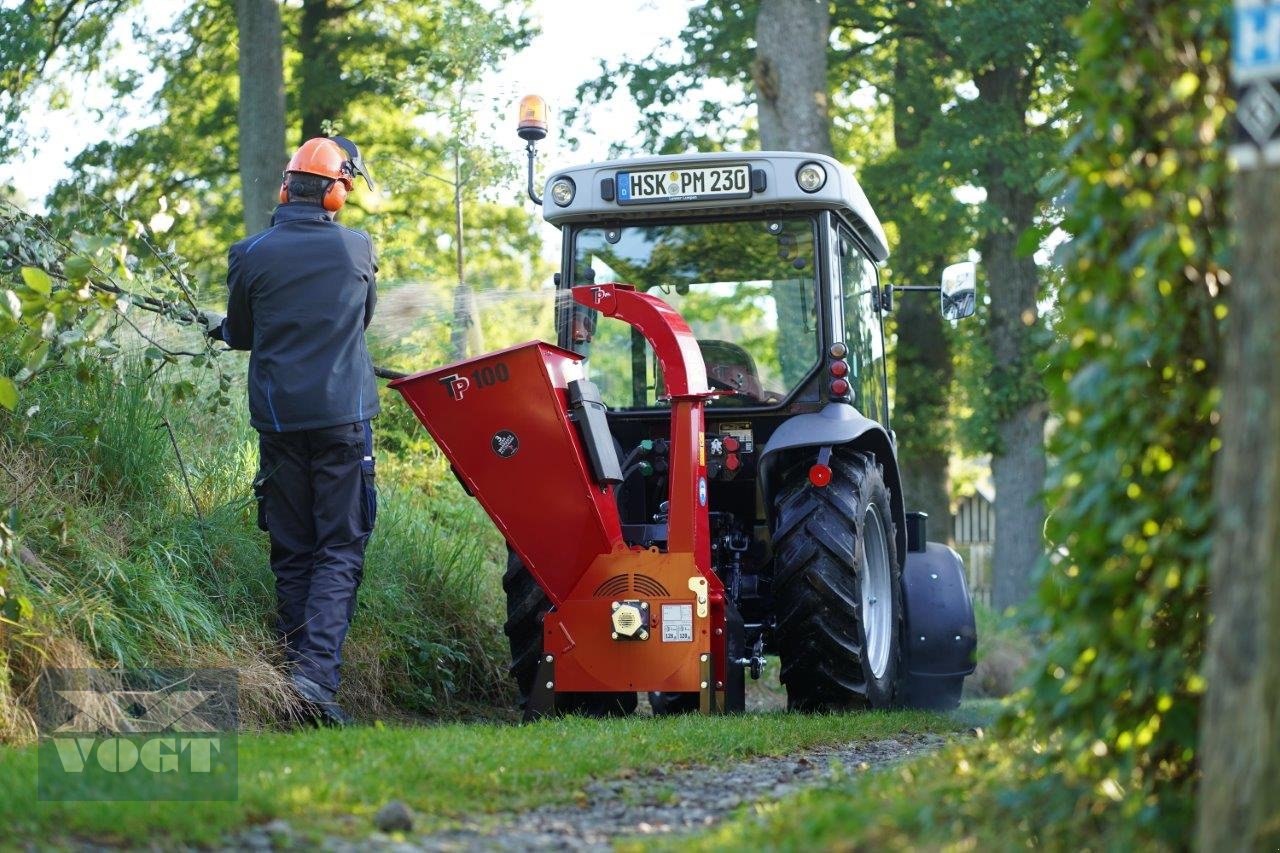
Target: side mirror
x,y
959,290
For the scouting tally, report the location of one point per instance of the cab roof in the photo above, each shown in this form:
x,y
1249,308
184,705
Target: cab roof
x,y
595,198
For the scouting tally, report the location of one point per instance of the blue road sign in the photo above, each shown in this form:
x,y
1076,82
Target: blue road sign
x,y
1255,43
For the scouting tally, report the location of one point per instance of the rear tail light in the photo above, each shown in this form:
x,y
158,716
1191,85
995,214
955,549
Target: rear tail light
x,y
839,368
839,388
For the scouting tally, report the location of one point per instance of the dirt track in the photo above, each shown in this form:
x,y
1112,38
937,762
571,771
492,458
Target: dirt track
x,y
656,803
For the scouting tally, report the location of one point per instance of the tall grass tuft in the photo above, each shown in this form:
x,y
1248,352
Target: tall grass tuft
x,y
123,570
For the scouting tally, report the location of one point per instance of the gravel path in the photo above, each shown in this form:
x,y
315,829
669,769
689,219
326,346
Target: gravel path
x,y
654,803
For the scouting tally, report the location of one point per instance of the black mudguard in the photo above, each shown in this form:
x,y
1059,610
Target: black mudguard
x,y
941,635
836,425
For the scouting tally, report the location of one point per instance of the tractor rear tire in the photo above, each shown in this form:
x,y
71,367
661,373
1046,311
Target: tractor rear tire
x,y
527,604
833,544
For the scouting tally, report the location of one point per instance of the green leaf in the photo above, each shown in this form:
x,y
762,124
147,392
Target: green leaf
x,y
8,393
17,609
77,268
36,358
37,279
1029,241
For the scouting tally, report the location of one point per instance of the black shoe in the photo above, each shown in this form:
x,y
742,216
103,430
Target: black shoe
x,y
318,705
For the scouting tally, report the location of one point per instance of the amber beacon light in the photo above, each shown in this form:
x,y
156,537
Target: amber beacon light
x,y
533,118
531,127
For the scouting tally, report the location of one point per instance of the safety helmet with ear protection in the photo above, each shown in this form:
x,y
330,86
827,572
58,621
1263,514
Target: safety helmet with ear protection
x,y
324,157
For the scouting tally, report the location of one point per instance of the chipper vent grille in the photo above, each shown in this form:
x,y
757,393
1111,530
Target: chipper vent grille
x,y
648,586
642,584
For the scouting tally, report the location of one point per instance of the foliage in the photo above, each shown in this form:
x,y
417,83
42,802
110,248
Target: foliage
x,y
713,45
184,165
36,35
1133,377
65,302
907,113
390,67
447,773
47,317
998,125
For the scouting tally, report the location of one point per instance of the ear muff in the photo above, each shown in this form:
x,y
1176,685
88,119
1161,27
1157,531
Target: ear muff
x,y
336,195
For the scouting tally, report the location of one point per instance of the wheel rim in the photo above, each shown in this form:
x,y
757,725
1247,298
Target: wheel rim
x,y
877,594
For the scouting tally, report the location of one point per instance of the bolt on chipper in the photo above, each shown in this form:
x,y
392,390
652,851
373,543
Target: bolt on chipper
x,y
700,472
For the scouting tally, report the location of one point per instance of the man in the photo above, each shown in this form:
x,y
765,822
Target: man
x,y
301,296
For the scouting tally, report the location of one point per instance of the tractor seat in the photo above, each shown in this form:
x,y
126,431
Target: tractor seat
x,y
729,365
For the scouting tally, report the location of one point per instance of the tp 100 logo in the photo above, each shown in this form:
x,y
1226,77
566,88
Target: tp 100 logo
x,y
482,377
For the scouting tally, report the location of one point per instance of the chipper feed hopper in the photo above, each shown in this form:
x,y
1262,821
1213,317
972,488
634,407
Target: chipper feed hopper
x,y
527,435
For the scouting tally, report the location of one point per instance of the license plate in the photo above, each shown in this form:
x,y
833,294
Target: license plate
x,y
684,184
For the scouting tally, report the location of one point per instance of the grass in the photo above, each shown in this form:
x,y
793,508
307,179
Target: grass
x,y
123,570
985,793
983,796
321,780
1005,652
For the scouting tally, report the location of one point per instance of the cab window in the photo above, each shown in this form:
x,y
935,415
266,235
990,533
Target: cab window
x,y
747,289
863,334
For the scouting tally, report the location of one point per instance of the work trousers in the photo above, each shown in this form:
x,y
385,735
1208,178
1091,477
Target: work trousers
x,y
318,501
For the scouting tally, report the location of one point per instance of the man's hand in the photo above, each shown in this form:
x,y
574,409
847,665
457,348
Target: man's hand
x,y
211,321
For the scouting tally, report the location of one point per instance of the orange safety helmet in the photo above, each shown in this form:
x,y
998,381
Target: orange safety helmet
x,y
326,158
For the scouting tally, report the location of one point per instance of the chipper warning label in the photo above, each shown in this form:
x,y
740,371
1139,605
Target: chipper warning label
x,y
677,623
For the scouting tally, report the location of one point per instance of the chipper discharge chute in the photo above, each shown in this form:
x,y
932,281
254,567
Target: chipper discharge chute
x,y
526,434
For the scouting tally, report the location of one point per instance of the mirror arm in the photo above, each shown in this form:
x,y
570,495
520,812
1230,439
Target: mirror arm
x,y
533,195
920,288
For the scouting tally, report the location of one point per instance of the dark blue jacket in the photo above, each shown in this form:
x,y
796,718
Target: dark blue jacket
x,y
301,295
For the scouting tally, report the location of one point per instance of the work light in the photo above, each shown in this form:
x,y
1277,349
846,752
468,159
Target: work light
x,y
811,177
562,190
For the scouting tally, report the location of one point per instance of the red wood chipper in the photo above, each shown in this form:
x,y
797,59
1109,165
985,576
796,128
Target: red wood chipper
x,y
527,435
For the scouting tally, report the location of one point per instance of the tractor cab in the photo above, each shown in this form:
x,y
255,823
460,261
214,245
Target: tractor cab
x,y
770,258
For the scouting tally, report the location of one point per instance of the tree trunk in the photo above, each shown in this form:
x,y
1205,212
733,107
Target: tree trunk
x,y
922,357
1239,801
1018,460
1018,473
320,71
1018,463
465,334
790,74
261,110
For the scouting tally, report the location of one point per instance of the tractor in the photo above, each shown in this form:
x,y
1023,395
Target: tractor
x,y
700,472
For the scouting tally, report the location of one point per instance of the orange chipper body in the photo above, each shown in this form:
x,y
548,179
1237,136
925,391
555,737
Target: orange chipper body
x,y
625,619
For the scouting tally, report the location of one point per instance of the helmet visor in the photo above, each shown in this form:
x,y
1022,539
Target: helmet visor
x,y
355,162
